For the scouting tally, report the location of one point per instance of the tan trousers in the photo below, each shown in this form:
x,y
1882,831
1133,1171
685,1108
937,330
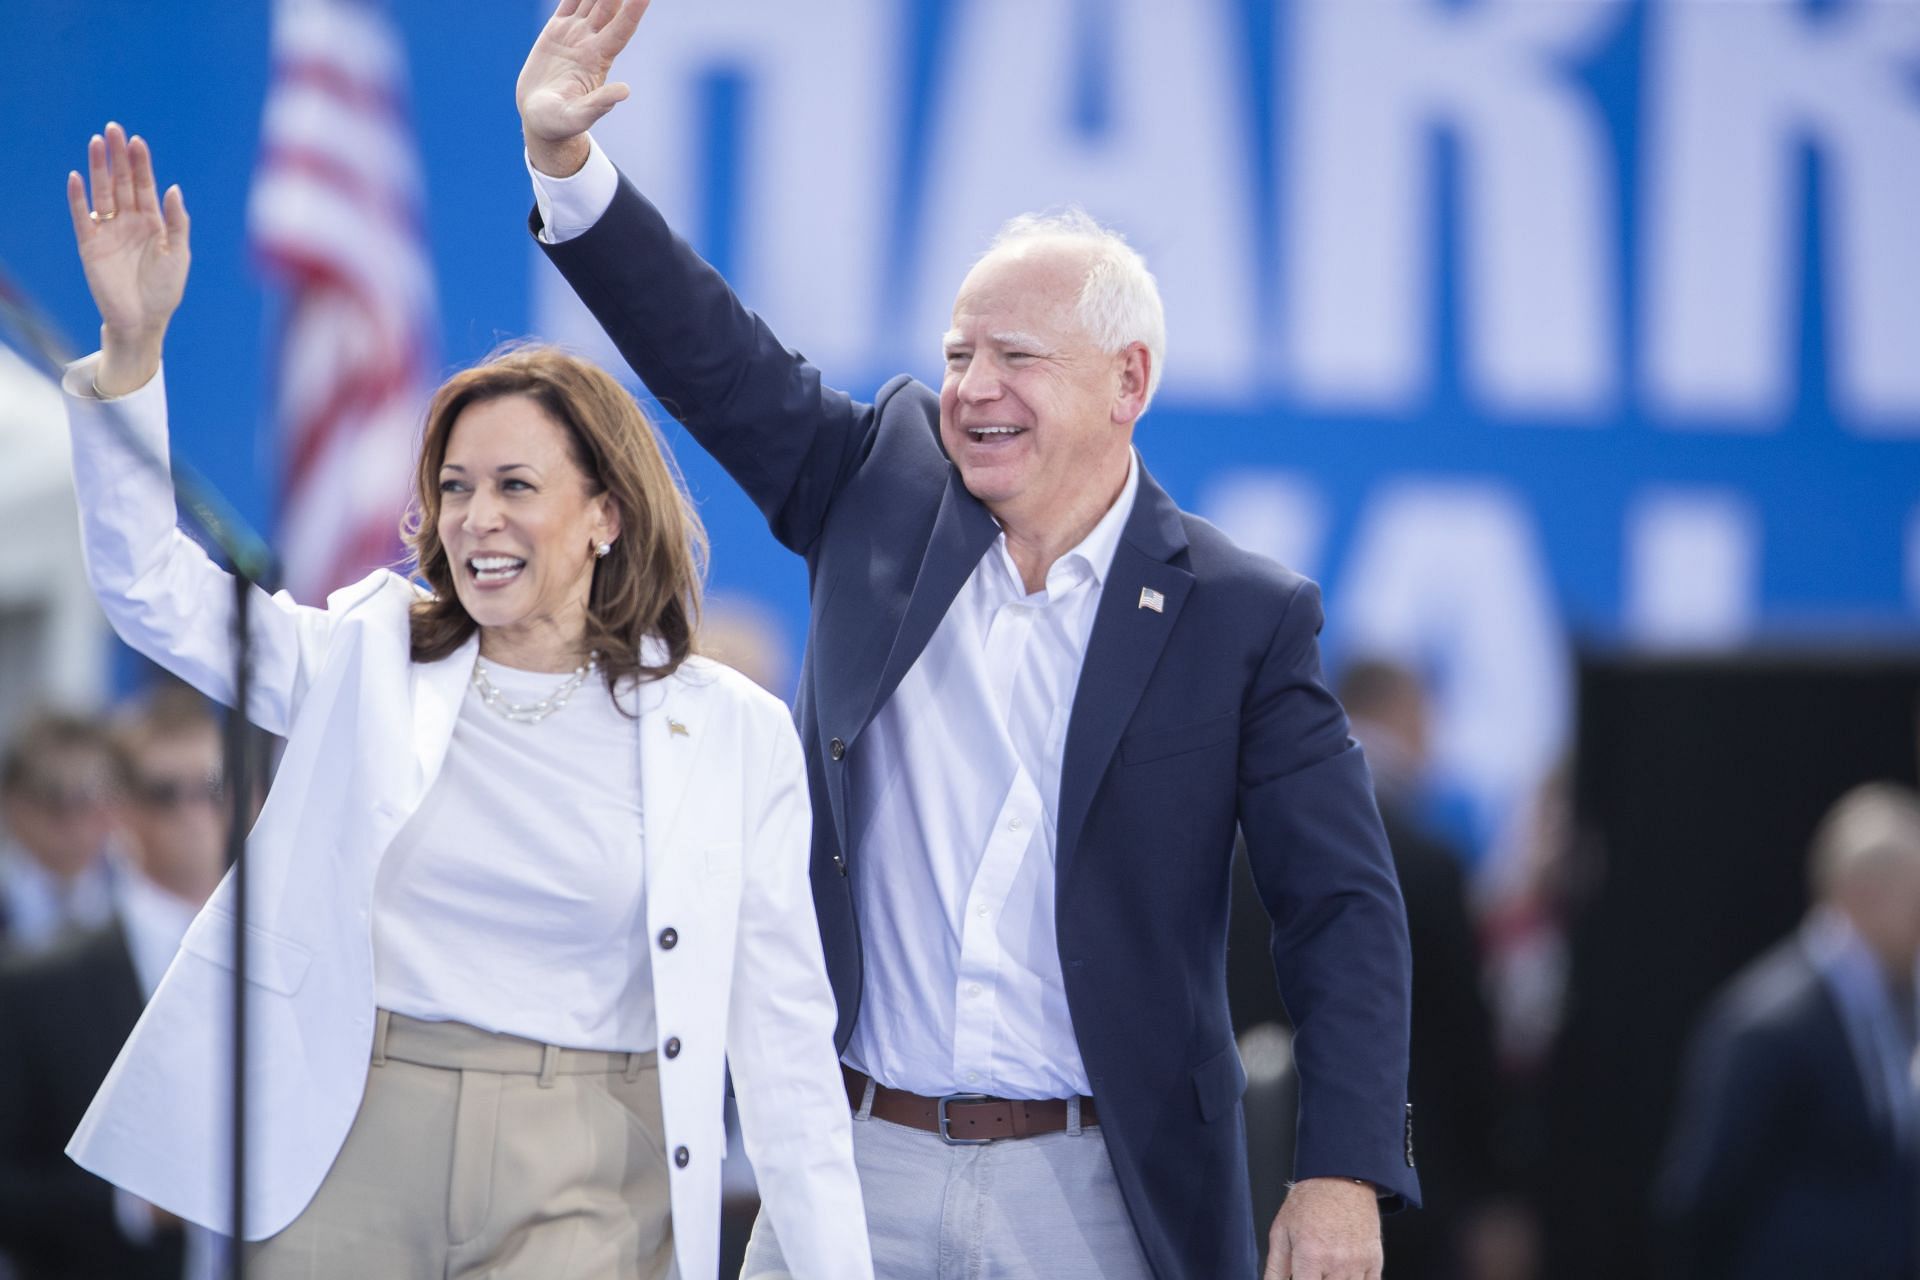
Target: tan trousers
x,y
481,1155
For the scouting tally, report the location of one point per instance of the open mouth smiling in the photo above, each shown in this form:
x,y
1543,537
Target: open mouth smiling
x,y
491,569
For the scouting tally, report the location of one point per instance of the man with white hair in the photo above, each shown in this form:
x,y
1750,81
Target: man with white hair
x,y
1037,700
1796,1140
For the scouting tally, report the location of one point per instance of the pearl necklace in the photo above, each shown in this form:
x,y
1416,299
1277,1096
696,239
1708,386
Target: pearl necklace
x,y
531,712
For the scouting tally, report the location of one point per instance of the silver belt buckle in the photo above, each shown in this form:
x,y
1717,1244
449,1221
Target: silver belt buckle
x,y
946,1134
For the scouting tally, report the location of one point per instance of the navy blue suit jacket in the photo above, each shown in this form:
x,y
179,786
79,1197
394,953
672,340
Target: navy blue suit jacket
x,y
1776,1168
1186,721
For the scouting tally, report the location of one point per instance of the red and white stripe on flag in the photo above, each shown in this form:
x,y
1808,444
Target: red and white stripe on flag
x,y
336,215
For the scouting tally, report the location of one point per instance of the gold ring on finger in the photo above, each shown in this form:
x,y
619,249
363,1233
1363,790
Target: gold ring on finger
x,y
103,217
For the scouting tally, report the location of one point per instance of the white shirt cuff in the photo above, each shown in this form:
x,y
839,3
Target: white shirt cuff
x,y
77,379
569,206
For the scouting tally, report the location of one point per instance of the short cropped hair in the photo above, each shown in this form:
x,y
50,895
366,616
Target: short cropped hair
x,y
1870,828
1119,301
168,710
55,733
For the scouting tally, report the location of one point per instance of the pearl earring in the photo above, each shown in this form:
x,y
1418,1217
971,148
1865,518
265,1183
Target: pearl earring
x,y
600,551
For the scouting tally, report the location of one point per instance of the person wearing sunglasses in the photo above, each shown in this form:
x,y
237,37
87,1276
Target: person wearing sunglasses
x,y
59,786
65,1012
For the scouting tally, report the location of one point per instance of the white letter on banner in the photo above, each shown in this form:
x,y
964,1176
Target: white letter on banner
x,y
814,169
1692,568
1735,92
1281,514
1449,579
1368,84
1168,166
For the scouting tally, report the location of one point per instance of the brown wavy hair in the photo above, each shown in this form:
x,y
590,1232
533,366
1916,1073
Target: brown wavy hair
x,y
648,585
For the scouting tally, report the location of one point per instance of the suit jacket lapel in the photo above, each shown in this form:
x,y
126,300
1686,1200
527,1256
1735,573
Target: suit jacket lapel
x,y
1125,645
962,532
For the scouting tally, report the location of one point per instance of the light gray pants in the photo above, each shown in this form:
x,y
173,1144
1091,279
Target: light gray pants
x,y
1044,1208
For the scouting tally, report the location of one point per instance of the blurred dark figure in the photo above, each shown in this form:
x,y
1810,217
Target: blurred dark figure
x,y
1796,1141
65,1012
58,787
1452,1083
1467,1229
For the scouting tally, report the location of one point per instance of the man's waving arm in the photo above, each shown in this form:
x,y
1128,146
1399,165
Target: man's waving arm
x,y
761,410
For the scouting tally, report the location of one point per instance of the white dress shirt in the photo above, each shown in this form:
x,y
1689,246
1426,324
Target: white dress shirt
x,y
955,793
956,796
153,921
38,908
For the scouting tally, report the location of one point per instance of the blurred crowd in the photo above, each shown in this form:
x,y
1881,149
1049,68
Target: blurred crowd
x,y
112,835
1791,1145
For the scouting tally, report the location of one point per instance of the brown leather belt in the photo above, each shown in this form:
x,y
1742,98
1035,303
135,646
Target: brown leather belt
x,y
966,1118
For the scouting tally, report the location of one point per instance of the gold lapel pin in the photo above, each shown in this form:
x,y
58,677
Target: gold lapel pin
x,y
1151,599
676,730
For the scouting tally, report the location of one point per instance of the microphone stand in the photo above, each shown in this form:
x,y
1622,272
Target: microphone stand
x,y
251,564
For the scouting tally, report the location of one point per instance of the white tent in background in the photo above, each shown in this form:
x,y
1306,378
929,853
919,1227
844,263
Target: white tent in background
x,y
53,639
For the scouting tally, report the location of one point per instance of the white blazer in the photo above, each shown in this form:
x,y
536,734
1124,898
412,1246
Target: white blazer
x,y
727,826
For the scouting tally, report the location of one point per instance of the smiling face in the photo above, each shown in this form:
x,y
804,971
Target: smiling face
x,y
1035,415
520,522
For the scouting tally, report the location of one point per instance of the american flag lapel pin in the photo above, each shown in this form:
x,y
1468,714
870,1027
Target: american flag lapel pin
x,y
676,730
1151,599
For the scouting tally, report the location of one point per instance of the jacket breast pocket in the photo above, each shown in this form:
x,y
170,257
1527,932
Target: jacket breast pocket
x,y
1218,1083
1158,744
274,962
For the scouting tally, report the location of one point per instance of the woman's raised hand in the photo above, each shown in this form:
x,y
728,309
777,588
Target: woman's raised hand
x,y
133,248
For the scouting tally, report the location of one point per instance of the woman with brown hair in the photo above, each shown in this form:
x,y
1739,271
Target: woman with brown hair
x,y
531,875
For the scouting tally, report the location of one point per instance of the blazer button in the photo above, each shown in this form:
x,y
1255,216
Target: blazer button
x,y
837,749
673,1046
680,1157
667,938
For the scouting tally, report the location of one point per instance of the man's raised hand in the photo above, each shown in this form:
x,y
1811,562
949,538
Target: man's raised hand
x,y
133,248
563,87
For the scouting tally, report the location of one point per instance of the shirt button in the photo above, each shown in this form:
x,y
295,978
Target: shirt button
x,y
1015,825
973,988
837,749
973,1077
983,912
673,1046
668,938
680,1157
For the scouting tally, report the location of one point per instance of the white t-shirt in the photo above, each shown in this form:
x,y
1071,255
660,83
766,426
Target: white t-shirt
x,y
514,898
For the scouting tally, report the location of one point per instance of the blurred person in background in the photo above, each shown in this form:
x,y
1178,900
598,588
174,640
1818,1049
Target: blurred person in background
x,y
745,634
1795,1147
66,1011
59,780
1465,1228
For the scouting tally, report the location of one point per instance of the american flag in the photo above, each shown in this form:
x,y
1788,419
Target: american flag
x,y
336,215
